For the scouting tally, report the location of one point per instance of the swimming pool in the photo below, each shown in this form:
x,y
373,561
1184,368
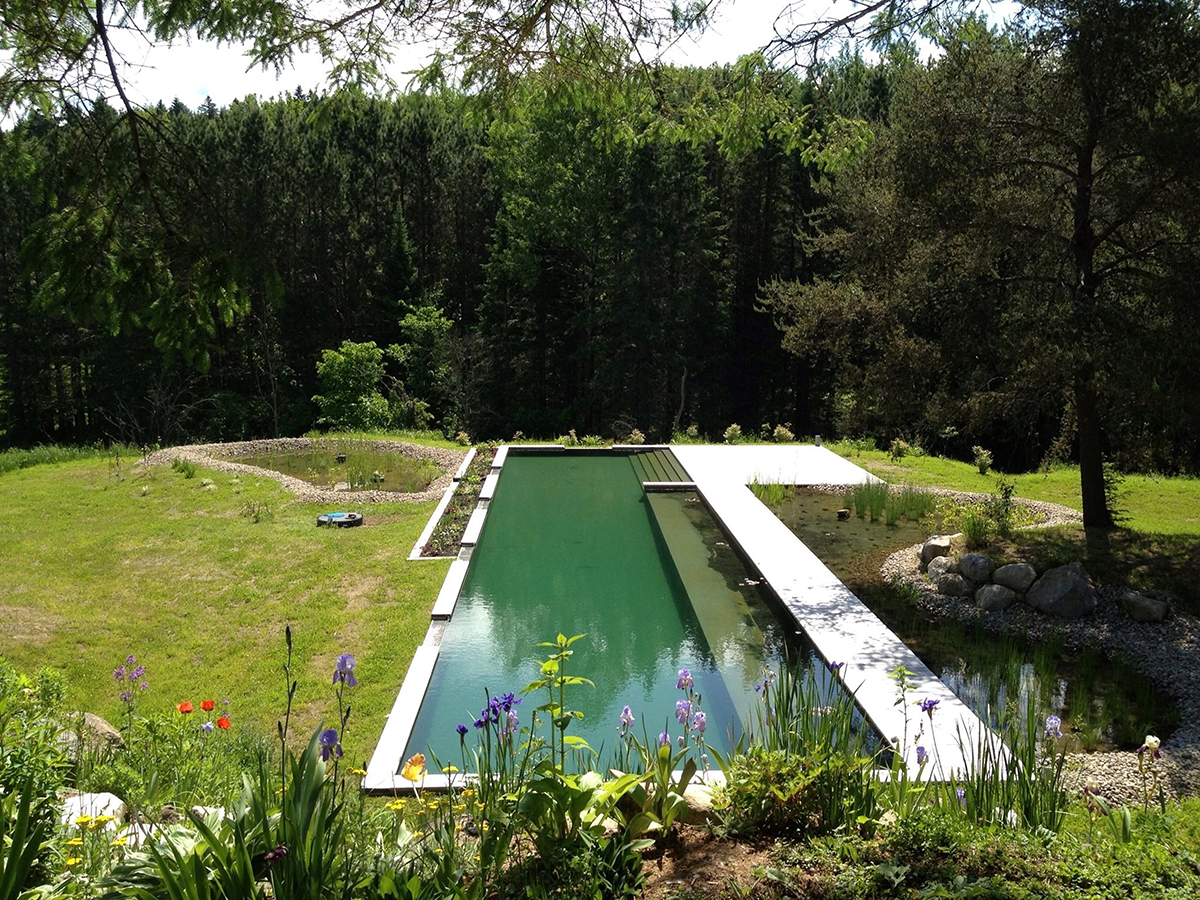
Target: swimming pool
x,y
572,544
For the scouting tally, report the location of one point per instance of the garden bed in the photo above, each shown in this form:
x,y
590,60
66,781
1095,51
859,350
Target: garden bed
x,y
224,458
446,538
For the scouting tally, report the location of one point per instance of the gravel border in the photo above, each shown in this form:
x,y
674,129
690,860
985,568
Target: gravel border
x,y
223,458
1167,653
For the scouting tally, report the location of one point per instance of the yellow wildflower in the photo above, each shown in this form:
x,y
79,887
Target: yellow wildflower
x,y
450,770
359,772
73,860
414,767
75,842
83,820
118,842
103,819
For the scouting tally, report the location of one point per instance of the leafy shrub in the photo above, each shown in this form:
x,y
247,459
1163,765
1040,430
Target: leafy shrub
x,y
783,435
569,439
462,439
983,459
636,437
898,449
185,467
257,511
733,434
977,528
593,440
1000,507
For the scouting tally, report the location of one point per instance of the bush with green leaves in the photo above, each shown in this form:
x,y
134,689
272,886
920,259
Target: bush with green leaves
x,y
733,434
983,459
783,435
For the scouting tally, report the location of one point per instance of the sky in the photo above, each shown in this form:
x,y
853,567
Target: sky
x,y
196,70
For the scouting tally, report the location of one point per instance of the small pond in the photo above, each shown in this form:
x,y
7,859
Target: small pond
x,y
350,465
1103,704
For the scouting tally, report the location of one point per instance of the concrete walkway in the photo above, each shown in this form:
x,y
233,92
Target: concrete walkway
x,y
837,623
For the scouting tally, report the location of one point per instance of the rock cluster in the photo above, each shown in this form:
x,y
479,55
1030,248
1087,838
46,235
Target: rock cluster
x,y
1167,652
1062,591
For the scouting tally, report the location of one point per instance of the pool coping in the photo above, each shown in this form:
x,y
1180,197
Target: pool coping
x,y
720,489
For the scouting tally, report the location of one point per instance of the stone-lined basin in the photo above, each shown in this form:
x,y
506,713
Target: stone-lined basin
x,y
224,458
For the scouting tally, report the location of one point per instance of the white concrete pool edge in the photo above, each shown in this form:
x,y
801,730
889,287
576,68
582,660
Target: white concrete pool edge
x,y
837,623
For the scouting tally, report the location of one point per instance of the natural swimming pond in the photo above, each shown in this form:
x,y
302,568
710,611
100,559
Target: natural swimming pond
x,y
572,544
1102,703
350,465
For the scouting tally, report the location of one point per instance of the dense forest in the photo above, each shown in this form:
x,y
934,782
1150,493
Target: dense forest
x,y
996,247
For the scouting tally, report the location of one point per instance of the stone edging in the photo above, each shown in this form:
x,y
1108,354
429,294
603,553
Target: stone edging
x,y
1167,653
222,457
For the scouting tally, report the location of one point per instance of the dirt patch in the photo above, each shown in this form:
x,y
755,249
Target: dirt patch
x,y
25,625
697,864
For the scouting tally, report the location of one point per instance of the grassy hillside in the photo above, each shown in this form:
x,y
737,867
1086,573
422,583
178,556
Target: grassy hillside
x,y
101,561
1155,505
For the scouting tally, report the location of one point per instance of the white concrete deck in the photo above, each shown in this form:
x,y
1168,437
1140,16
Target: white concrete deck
x,y
837,623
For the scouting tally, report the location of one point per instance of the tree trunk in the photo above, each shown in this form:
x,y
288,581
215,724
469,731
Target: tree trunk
x,y
1096,513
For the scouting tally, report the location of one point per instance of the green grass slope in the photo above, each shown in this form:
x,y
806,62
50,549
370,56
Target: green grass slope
x,y
98,564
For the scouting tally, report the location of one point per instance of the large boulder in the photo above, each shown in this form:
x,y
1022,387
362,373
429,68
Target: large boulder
x,y
954,585
936,546
1064,592
1016,576
939,566
993,597
976,566
1142,608
91,732
92,806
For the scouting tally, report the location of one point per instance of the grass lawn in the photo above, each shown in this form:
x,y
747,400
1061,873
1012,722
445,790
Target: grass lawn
x,y
1155,505
98,565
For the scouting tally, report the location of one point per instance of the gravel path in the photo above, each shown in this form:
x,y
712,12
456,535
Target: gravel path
x,y
223,458
1167,653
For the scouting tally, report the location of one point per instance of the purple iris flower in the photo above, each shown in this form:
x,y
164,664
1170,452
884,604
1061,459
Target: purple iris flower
x,y
663,739
330,745
462,730
961,794
683,711
345,671
834,666
699,721
513,722
685,680
922,756
927,706
1053,726
626,718
207,727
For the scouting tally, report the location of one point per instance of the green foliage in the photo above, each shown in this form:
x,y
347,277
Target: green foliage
x,y
976,528
14,459
771,493
184,467
805,766
983,459
1000,508
349,378
23,835
898,449
733,434
782,435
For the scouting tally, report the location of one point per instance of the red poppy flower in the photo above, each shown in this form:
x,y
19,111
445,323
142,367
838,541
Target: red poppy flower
x,y
208,705
223,723
185,707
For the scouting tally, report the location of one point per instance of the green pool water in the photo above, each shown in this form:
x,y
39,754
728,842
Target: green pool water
x,y
573,545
